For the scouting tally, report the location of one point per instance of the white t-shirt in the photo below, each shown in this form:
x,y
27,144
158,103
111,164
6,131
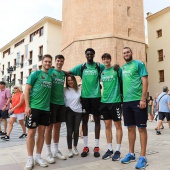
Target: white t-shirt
x,y
72,99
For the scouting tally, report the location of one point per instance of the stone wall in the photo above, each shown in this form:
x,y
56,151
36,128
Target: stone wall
x,y
106,26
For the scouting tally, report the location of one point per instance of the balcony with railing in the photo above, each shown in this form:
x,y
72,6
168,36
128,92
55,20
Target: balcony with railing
x,y
20,81
30,61
2,72
14,68
21,64
40,57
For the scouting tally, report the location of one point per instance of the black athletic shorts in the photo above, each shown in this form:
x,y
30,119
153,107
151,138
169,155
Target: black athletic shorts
x,y
133,115
58,113
4,114
91,105
162,115
38,117
110,111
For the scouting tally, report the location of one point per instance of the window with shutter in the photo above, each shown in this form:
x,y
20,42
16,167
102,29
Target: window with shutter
x,y
128,11
160,55
161,75
159,33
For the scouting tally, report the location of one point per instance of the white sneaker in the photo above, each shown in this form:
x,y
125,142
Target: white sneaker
x,y
50,159
70,153
59,155
75,151
41,162
29,165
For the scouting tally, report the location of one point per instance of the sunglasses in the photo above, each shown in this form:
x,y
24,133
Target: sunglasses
x,y
15,87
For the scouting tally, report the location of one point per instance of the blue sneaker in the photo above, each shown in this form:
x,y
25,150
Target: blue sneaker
x,y
107,155
142,163
129,158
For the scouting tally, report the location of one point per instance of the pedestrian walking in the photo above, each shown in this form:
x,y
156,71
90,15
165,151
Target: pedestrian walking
x,y
5,98
155,111
17,111
150,105
163,108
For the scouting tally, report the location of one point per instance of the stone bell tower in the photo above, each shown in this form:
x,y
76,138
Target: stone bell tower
x,y
105,25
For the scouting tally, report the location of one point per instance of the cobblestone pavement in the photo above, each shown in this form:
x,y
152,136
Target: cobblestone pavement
x,y
13,154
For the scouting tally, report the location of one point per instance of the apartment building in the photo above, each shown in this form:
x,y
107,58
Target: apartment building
x,y
24,53
158,53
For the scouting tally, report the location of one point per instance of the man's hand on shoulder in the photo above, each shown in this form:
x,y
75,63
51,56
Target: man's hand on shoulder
x,y
116,67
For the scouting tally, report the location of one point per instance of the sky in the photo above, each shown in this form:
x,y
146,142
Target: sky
x,y
18,15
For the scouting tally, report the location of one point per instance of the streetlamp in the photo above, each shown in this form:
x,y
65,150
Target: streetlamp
x,y
10,81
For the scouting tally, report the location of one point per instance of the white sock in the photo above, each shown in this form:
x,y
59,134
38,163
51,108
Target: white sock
x,y
109,145
38,156
48,149
132,154
96,142
85,138
55,147
118,147
31,158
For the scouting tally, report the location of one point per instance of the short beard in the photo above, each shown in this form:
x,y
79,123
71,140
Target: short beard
x,y
129,59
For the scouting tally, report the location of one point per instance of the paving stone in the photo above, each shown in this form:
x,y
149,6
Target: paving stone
x,y
13,154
